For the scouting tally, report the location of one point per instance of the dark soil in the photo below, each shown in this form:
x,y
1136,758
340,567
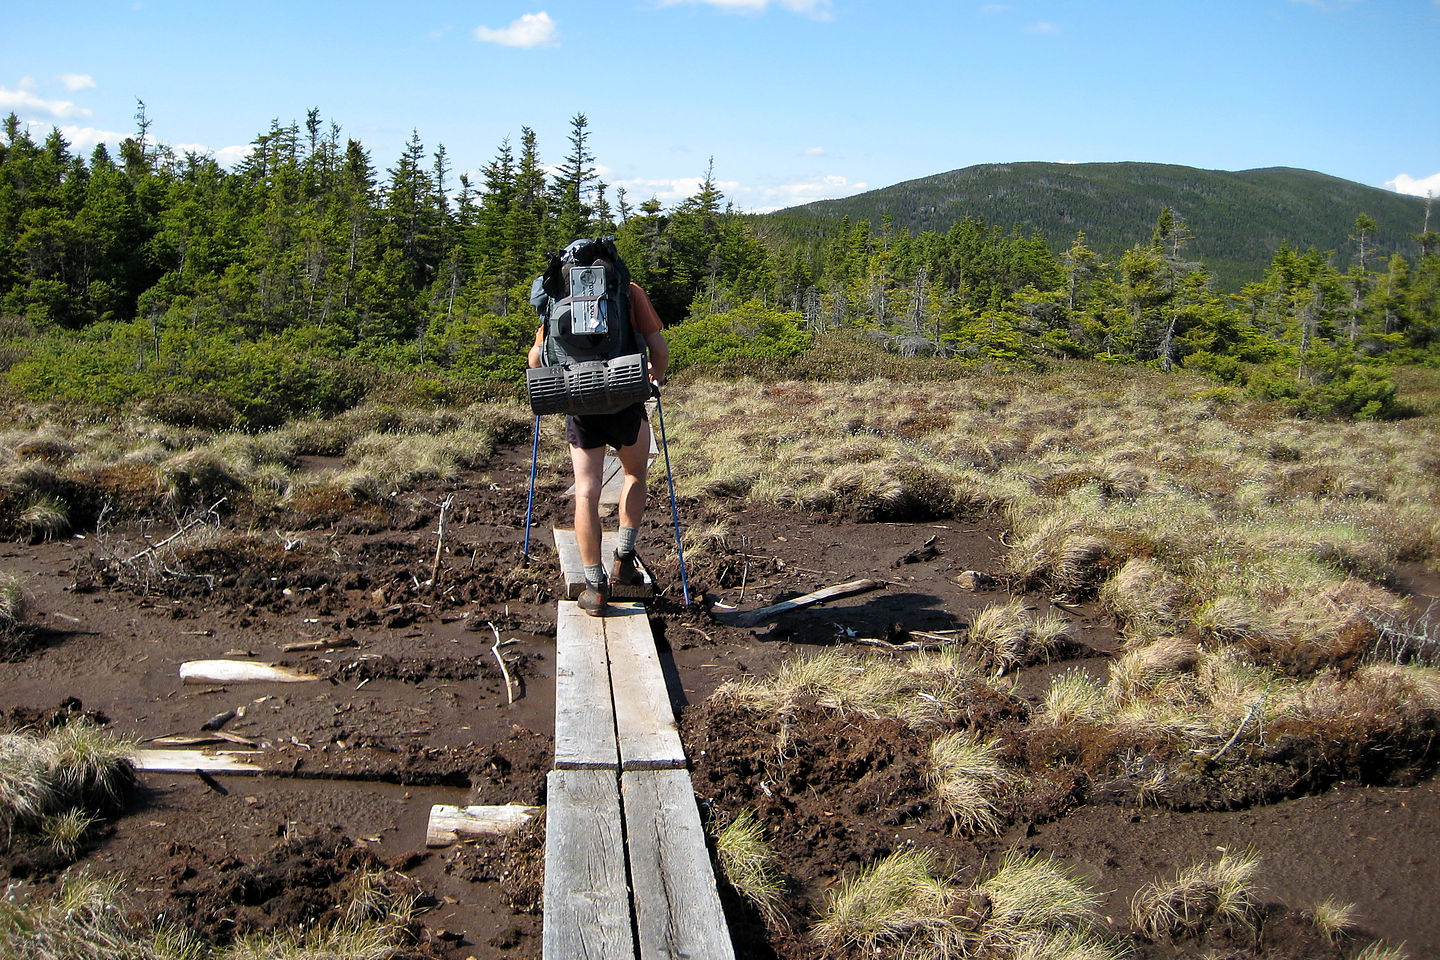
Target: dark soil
x,y
411,710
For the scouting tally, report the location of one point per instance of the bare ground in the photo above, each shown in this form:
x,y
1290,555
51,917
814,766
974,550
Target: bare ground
x,y
411,710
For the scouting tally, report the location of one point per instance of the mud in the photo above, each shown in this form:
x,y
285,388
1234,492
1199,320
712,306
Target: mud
x,y
411,709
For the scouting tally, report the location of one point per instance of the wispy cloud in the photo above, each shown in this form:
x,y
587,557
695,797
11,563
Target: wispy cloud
x,y
75,82
815,9
531,30
23,99
1043,27
1423,187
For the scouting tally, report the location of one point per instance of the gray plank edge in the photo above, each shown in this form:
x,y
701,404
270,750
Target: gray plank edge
x,y
584,708
644,721
677,908
587,898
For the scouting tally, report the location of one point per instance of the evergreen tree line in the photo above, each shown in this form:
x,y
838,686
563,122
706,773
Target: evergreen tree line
x,y
304,278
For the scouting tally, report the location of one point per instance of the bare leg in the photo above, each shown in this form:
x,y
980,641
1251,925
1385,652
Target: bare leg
x,y
588,466
635,460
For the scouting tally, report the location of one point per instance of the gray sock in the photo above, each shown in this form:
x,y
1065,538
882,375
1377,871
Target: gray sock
x,y
625,542
595,573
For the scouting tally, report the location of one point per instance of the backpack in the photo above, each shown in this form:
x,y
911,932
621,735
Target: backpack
x,y
592,360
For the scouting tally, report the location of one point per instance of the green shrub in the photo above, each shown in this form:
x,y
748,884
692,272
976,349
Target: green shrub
x,y
751,332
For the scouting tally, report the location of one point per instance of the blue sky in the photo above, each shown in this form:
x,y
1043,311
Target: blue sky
x,y
795,100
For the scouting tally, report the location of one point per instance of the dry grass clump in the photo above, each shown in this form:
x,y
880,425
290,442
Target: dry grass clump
x,y
1143,597
901,906
1008,636
1074,697
1202,895
967,775
1142,670
14,602
48,783
896,907
87,917
750,865
1380,950
922,691
1333,918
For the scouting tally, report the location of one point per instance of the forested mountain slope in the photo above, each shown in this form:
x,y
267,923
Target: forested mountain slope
x,y
1237,220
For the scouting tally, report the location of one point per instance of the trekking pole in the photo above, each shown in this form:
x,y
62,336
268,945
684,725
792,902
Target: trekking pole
x,y
530,502
674,510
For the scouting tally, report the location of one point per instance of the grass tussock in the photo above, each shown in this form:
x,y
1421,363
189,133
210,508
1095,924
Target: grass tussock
x,y
901,906
967,777
751,866
923,691
87,918
1202,895
1008,636
51,783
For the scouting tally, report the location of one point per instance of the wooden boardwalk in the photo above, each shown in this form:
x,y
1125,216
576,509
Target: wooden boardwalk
x,y
627,870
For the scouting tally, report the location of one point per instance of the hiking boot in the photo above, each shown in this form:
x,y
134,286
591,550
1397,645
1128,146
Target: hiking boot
x,y
593,598
624,571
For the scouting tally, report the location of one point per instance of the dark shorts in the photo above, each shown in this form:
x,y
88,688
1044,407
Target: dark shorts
x,y
617,430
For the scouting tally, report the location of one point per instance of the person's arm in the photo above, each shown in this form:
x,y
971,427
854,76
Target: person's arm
x,y
647,323
659,354
535,351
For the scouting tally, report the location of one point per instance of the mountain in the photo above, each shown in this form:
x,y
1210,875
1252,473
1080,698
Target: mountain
x,y
1237,219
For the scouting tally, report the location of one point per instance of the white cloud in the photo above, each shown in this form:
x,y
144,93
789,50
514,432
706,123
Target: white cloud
x,y
1424,187
24,99
815,9
82,140
815,152
77,81
794,193
531,30
1042,27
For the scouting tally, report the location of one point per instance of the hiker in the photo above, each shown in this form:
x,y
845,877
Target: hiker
x,y
627,430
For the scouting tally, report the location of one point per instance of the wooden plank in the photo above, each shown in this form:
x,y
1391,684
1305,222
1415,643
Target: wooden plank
x,y
587,899
449,823
677,908
584,710
188,761
648,736
239,671
750,618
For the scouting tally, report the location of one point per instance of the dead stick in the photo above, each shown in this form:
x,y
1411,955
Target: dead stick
x,y
440,541
177,533
1254,708
504,671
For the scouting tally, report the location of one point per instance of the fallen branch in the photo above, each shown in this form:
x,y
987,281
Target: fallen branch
x,y
753,617
194,521
504,671
911,647
440,541
1254,708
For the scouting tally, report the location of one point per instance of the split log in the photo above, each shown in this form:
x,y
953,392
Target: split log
x,y
448,824
754,617
239,671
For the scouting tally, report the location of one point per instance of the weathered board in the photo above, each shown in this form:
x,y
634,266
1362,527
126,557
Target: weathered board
x,y
677,909
750,618
584,710
644,721
188,761
574,570
587,899
449,823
